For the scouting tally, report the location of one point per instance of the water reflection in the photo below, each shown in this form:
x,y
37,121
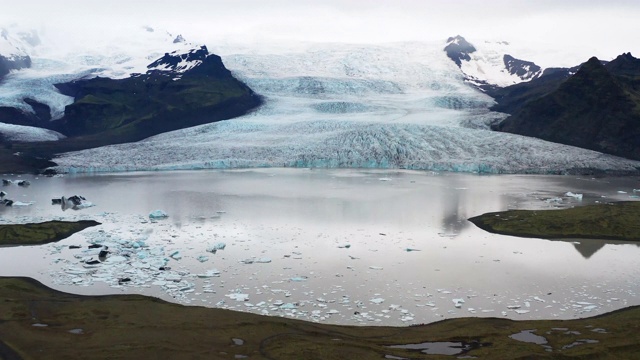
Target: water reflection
x,y
588,247
454,219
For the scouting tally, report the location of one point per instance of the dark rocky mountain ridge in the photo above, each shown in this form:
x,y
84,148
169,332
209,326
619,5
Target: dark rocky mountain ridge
x,y
178,90
596,108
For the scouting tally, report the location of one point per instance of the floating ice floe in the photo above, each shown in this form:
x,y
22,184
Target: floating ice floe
x,y
158,214
214,248
257,261
210,273
238,296
458,303
24,183
75,202
377,300
574,195
20,203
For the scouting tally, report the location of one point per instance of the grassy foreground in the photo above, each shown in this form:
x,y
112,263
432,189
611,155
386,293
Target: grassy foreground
x,y
138,327
41,233
615,221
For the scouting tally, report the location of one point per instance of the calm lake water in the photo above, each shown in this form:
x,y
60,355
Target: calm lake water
x,y
337,246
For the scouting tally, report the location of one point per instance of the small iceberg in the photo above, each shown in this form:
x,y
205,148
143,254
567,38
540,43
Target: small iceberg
x,y
214,248
574,195
158,214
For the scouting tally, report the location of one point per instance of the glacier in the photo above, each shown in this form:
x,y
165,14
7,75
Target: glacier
x,y
400,105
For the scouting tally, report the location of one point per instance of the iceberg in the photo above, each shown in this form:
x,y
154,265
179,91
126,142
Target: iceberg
x,y
158,214
575,196
238,297
214,248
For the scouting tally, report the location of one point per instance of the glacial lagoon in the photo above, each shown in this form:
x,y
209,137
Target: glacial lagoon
x,y
342,246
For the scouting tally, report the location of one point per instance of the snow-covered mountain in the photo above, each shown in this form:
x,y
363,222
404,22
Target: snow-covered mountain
x,y
14,47
55,60
491,64
340,105
28,94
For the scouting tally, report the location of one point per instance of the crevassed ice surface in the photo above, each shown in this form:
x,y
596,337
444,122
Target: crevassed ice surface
x,y
359,106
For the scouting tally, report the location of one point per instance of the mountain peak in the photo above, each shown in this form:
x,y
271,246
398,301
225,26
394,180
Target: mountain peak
x,y
624,64
458,49
12,54
176,62
526,70
179,39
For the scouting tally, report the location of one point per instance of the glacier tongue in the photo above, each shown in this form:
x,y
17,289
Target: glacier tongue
x,y
28,133
336,105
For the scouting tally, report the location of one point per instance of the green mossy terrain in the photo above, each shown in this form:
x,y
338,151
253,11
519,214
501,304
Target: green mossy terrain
x,y
41,233
615,221
40,323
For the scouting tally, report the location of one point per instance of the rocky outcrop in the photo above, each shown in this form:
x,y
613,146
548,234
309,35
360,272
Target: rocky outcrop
x,y
458,49
13,63
179,90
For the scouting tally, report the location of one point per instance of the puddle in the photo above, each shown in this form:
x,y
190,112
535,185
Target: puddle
x,y
395,357
441,348
76,331
580,342
529,337
238,342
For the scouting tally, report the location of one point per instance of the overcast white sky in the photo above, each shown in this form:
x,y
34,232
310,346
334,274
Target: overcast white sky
x,y
581,27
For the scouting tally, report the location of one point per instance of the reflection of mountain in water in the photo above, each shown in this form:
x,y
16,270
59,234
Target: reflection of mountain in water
x,y
455,214
588,247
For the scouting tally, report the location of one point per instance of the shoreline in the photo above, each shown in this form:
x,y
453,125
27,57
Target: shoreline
x,y
38,322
